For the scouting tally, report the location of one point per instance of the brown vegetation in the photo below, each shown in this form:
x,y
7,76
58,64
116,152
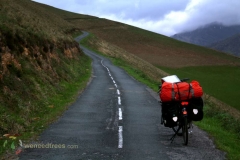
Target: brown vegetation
x,y
157,49
37,53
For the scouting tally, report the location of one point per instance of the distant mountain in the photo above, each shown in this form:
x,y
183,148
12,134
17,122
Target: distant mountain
x,y
214,35
230,45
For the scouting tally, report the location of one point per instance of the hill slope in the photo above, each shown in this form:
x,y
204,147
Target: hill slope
x,y
38,55
154,48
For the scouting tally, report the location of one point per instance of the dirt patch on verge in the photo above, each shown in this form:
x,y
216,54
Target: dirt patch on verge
x,y
116,52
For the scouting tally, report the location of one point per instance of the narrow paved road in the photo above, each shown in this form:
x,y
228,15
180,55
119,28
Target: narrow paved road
x,y
116,117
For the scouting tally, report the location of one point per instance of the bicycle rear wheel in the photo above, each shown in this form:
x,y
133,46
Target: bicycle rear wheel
x,y
185,130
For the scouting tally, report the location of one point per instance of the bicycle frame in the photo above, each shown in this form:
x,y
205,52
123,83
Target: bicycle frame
x,y
182,121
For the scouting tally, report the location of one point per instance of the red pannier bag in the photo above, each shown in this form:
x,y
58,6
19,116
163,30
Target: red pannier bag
x,y
180,91
196,89
183,91
168,92
175,91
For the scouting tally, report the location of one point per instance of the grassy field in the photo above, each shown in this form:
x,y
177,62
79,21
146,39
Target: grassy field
x,y
221,82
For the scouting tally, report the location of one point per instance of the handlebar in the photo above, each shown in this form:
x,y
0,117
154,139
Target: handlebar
x,y
185,79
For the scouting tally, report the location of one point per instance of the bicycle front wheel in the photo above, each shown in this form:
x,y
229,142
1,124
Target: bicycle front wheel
x,y
185,130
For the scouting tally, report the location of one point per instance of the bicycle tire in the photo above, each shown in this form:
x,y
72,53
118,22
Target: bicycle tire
x,y
185,130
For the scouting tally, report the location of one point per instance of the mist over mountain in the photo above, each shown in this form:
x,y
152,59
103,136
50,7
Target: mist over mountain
x,y
214,35
230,45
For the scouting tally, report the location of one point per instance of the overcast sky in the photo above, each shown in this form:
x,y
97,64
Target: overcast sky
x,y
166,17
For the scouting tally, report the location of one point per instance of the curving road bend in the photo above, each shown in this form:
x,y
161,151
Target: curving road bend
x,y
116,117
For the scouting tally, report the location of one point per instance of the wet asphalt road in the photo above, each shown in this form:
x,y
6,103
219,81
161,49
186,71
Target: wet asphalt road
x,y
116,117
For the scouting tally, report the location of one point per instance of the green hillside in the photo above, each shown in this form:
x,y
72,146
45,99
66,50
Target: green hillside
x,y
41,67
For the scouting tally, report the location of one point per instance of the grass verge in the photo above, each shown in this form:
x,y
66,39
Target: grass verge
x,y
223,128
44,111
220,125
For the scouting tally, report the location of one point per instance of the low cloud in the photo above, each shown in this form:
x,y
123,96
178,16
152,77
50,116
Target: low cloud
x,y
196,13
163,17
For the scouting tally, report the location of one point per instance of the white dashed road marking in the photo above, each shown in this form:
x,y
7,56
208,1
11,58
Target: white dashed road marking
x,y
119,100
120,137
120,128
118,92
120,113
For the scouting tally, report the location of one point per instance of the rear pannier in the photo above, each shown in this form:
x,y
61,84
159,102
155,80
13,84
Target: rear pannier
x,y
169,110
195,110
180,91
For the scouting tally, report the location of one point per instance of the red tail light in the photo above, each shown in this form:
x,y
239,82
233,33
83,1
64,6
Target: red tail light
x,y
184,112
184,103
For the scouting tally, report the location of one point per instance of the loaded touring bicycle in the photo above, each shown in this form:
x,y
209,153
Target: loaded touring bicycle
x,y
181,104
